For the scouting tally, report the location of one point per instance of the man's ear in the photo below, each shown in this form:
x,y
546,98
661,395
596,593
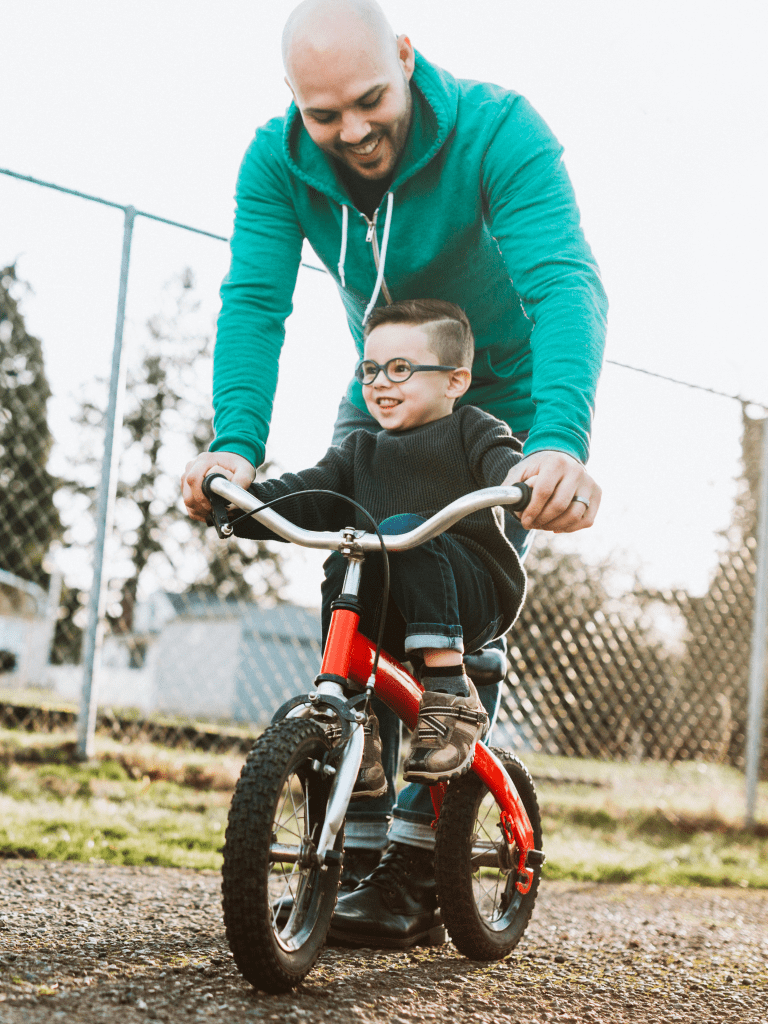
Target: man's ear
x,y
406,55
458,382
288,83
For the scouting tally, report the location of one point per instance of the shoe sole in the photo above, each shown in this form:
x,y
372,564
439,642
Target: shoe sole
x,y
435,936
369,794
433,778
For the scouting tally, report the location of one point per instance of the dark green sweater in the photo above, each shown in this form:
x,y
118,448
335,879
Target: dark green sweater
x,y
419,471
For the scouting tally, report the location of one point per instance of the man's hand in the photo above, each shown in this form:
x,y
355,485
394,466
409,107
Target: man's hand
x,y
234,467
557,480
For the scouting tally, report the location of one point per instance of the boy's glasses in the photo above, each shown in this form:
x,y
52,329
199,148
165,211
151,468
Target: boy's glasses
x,y
395,370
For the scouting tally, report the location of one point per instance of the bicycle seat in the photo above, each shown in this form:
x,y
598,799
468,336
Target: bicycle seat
x,y
488,665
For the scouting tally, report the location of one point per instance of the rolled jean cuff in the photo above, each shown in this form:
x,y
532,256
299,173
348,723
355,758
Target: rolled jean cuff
x,y
425,636
366,835
412,833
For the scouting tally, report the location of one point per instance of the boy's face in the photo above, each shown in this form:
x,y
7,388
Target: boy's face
x,y
426,395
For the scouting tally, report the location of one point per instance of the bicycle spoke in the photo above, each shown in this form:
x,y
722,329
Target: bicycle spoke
x,y
291,823
293,804
489,886
281,824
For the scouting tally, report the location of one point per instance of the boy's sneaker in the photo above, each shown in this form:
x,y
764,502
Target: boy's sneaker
x,y
371,780
446,733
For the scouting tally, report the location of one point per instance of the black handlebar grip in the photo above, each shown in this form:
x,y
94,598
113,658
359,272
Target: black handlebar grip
x,y
526,499
206,485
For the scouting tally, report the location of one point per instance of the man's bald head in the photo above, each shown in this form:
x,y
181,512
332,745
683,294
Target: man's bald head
x,y
322,25
349,75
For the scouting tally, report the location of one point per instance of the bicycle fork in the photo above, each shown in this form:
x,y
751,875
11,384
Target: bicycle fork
x,y
334,673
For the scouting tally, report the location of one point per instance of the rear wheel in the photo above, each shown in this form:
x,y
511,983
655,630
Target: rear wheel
x,y
483,910
278,901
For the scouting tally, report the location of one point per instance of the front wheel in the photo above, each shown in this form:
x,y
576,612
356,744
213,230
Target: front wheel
x,y
482,909
278,901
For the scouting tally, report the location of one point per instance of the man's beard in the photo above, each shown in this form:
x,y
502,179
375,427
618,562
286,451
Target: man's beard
x,y
397,139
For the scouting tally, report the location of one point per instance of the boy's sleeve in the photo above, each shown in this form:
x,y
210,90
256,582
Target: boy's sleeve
x,y
310,511
489,445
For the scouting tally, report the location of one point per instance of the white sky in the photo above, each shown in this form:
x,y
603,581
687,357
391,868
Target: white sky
x,y
661,107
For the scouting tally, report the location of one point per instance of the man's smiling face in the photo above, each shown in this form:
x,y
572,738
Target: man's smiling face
x,y
351,88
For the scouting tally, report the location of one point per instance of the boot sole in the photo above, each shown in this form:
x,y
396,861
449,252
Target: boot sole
x,y
435,936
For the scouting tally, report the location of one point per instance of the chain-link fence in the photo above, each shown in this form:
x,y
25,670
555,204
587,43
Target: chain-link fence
x,y
604,662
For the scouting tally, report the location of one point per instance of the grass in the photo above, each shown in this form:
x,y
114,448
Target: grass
x,y
678,824
144,804
138,804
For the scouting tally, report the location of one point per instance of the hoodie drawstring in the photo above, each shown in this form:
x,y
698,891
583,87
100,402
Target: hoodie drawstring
x,y
382,257
343,253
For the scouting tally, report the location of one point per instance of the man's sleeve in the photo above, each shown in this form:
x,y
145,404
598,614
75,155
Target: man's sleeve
x,y
535,220
256,300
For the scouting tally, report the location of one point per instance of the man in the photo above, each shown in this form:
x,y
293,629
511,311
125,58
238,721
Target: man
x,y
411,184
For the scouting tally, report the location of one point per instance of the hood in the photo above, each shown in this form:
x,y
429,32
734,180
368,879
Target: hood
x,y
435,103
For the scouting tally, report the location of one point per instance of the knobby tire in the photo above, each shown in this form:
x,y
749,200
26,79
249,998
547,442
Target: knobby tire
x,y
280,797
483,911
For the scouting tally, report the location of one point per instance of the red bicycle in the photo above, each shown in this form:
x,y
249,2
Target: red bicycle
x,y
285,833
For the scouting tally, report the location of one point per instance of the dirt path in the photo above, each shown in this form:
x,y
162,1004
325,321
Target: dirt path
x,y
83,944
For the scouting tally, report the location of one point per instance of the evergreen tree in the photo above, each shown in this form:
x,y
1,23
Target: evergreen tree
x,y
165,421
29,520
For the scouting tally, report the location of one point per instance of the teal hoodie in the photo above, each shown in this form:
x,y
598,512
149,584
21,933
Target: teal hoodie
x,y
481,212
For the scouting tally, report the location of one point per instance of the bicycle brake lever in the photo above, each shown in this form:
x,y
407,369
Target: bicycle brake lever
x,y
219,516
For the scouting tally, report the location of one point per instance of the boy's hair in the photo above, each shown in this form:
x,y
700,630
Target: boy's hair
x,y
450,335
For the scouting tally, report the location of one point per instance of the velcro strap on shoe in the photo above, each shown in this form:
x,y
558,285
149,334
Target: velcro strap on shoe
x,y
431,722
475,717
430,727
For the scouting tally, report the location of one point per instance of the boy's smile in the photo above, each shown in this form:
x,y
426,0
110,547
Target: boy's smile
x,y
424,397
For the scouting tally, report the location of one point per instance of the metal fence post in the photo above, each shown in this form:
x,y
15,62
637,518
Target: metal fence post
x,y
86,722
759,634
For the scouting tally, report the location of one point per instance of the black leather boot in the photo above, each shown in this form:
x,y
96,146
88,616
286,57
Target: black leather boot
x,y
356,865
394,907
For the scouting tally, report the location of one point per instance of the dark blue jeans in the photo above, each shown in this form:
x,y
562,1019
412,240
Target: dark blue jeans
x,y
441,595
411,815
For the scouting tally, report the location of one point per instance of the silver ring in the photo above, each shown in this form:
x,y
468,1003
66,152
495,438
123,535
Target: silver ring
x,y
584,501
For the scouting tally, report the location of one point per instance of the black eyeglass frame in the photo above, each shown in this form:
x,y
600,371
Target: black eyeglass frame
x,y
383,369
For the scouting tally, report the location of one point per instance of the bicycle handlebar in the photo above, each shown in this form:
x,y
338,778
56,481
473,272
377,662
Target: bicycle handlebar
x,y
516,496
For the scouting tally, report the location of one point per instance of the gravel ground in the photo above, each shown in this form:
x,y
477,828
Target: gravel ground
x,y
88,943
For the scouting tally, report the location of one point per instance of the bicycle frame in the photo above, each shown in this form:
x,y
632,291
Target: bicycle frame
x,y
349,655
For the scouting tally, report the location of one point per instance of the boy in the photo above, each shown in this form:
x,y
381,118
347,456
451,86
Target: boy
x,y
454,593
